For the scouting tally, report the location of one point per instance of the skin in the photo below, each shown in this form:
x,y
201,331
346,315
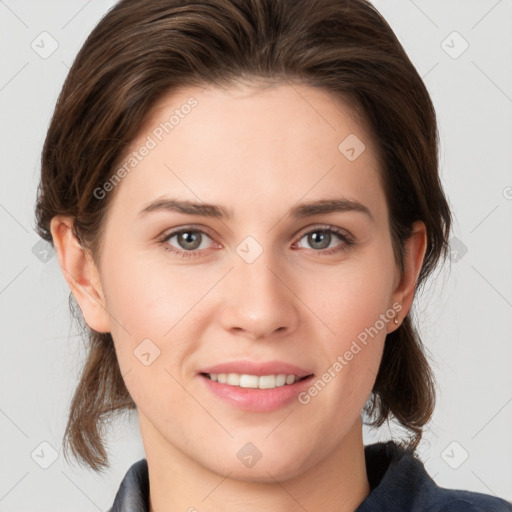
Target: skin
x,y
258,151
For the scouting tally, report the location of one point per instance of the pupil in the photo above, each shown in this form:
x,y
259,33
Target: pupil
x,y
189,238
319,237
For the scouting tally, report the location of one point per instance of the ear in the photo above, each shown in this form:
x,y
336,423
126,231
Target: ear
x,y
81,274
414,253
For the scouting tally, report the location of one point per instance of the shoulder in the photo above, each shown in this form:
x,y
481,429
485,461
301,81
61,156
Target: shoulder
x,y
399,482
133,493
453,500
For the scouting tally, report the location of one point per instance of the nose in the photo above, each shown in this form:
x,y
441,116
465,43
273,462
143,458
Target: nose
x,y
258,300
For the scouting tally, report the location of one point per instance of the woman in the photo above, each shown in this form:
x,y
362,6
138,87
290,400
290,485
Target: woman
x,y
244,198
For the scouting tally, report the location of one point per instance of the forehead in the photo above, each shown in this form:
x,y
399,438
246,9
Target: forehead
x,y
251,145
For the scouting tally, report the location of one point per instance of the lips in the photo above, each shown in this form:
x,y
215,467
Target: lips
x,y
256,386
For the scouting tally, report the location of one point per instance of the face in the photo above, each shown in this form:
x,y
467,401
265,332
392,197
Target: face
x,y
253,286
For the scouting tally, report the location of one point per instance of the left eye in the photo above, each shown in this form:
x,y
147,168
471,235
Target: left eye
x,y
321,238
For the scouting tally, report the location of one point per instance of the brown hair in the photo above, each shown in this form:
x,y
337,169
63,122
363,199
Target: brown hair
x,y
141,50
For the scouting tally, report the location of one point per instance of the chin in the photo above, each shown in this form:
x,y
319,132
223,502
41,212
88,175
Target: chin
x,y
275,468
265,475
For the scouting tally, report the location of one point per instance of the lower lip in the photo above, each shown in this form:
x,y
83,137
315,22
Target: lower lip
x,y
255,399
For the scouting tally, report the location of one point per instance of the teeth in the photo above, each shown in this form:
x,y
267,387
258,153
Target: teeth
x,y
281,379
254,381
248,381
233,379
267,382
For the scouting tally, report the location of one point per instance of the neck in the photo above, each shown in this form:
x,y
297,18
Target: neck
x,y
338,483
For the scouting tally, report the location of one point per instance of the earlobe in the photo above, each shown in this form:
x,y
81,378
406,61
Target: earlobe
x,y
414,253
80,273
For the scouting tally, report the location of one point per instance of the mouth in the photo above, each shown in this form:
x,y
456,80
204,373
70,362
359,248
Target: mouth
x,y
243,380
258,386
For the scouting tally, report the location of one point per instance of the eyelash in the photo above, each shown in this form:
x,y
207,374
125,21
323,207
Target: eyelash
x,y
347,241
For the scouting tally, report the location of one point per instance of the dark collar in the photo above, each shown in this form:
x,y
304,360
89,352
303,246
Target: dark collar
x,y
397,478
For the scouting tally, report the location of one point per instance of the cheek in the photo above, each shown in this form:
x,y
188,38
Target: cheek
x,y
351,297
148,298
355,305
153,333
157,314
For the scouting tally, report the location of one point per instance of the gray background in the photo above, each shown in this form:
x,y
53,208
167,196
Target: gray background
x,y
465,314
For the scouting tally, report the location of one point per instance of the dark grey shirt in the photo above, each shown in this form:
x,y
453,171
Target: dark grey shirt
x,y
398,482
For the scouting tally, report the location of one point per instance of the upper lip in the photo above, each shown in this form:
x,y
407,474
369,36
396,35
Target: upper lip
x,y
257,368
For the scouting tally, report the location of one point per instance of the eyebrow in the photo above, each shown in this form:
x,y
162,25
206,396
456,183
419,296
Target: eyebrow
x,y
323,206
